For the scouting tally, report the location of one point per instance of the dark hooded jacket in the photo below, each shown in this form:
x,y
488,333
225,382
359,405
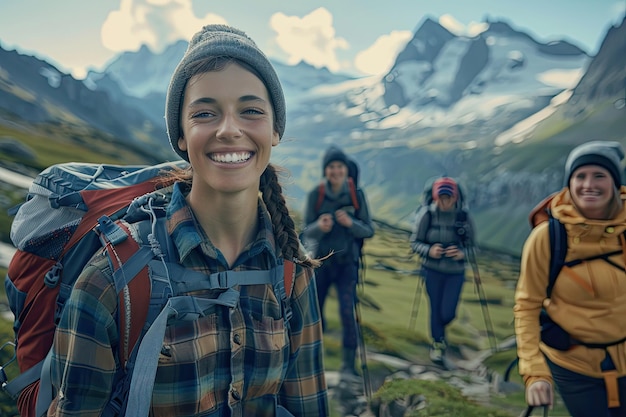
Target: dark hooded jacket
x,y
343,241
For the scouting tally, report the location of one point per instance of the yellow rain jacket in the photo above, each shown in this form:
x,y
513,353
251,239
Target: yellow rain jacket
x,y
588,300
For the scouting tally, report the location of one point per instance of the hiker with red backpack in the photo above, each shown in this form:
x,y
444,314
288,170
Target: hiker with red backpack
x,y
228,341
337,219
570,318
441,232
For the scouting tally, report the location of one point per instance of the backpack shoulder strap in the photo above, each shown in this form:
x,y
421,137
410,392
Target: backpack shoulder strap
x,y
129,263
427,217
289,279
558,251
461,215
155,313
147,353
353,194
321,190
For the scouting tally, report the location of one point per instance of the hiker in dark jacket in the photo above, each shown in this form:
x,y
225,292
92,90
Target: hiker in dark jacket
x,y
440,234
334,226
225,111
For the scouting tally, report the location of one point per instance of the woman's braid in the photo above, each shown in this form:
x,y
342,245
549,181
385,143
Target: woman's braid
x,y
284,227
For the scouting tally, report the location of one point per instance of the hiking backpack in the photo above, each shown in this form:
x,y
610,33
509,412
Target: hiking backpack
x,y
73,211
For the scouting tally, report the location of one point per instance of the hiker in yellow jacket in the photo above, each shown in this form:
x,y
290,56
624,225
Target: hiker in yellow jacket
x,y
588,299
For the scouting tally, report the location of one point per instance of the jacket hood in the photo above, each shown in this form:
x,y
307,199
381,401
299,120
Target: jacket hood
x,y
563,209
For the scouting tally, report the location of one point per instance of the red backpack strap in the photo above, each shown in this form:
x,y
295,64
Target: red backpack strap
x,y
351,188
321,190
290,275
353,195
139,290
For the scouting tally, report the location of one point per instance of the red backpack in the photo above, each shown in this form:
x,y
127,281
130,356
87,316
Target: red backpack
x,y
72,211
54,234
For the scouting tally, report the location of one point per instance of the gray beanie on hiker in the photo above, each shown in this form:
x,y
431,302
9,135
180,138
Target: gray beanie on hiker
x,y
333,153
221,41
607,154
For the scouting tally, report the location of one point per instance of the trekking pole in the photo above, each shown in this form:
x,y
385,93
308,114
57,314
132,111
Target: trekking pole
x,y
367,383
482,297
416,302
509,369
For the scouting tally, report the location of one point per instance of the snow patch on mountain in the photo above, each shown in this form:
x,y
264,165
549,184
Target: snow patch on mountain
x,y
524,128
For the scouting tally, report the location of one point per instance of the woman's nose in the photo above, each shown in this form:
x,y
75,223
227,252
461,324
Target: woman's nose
x,y
229,127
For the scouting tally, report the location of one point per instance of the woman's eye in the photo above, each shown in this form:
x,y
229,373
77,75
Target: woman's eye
x,y
202,114
253,111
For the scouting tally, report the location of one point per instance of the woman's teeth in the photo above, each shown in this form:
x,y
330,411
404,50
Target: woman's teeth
x,y
232,158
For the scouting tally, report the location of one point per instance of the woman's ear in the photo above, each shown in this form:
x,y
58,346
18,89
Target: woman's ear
x,y
182,144
275,138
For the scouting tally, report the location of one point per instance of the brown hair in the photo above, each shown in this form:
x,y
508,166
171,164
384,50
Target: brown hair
x,y
284,227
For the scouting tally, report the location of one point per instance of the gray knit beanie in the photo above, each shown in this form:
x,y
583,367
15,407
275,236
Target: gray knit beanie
x,y
221,41
607,154
333,153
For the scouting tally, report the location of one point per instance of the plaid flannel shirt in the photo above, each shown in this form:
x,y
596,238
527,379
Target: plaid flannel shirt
x,y
237,362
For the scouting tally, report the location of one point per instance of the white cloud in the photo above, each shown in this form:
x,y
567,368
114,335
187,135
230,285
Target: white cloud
x,y
378,58
457,28
156,23
311,39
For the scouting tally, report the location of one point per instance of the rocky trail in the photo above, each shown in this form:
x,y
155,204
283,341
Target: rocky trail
x,y
465,370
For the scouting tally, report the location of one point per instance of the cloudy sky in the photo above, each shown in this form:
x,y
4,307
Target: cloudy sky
x,y
353,36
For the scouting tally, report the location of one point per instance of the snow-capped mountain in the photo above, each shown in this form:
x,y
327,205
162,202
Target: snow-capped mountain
x,y
439,68
142,72
477,86
496,110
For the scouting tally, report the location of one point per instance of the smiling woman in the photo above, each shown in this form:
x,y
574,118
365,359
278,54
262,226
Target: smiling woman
x,y
594,174
588,299
255,345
